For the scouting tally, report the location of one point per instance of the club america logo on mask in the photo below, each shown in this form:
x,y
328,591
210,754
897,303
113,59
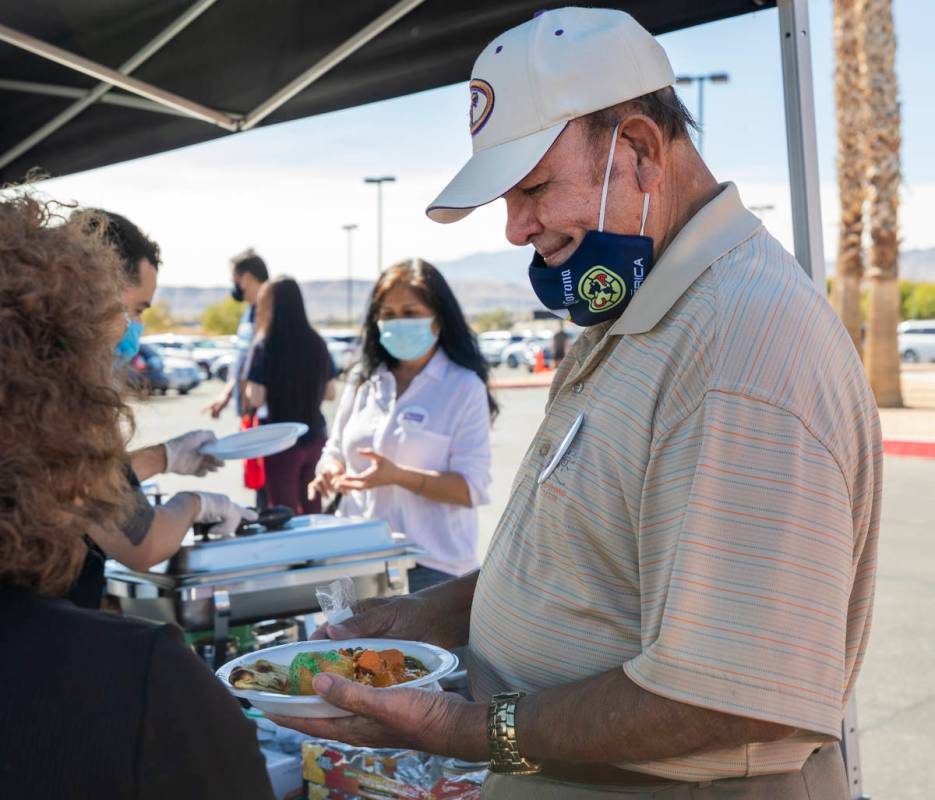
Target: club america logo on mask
x,y
602,289
481,104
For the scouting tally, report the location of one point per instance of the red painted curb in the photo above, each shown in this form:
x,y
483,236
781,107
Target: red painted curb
x,y
909,447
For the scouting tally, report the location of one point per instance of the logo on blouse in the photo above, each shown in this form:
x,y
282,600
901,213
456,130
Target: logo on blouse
x,y
481,104
602,289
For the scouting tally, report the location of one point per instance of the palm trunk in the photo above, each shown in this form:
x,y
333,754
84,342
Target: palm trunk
x,y
849,107
883,175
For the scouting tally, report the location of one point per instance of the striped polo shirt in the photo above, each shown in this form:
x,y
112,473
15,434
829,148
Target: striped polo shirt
x,y
712,528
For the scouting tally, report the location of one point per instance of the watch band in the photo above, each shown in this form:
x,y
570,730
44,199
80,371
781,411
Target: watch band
x,y
505,758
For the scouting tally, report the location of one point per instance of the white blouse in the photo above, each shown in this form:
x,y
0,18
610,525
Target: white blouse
x,y
441,423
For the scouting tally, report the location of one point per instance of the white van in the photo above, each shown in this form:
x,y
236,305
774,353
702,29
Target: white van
x,y
916,340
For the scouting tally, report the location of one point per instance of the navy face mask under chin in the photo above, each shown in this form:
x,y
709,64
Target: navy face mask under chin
x,y
600,278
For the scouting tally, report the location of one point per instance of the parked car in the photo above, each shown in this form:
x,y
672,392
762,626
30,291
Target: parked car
x,y
204,351
146,371
344,346
540,343
543,341
514,354
493,343
916,340
221,368
183,374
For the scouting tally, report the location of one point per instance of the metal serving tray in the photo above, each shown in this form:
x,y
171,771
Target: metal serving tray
x,y
307,538
197,602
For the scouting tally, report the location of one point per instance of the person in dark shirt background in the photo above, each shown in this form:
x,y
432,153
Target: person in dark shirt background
x,y
289,374
94,705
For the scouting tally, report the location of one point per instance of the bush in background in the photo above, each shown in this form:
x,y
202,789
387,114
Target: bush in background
x,y
222,318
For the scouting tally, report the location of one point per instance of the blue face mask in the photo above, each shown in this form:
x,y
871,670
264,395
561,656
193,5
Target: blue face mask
x,y
600,278
407,339
129,344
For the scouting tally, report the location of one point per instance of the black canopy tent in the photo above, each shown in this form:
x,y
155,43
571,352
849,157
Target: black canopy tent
x,y
89,83
85,83
232,56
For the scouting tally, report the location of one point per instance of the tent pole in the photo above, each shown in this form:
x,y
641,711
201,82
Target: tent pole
x,y
801,139
110,77
329,62
72,92
802,145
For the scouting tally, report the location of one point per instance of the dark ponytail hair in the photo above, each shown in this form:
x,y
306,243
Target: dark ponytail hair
x,y
298,366
455,337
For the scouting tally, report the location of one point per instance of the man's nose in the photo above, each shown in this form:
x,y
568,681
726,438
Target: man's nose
x,y
521,222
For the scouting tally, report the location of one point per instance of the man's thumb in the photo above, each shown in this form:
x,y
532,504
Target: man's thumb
x,y
339,692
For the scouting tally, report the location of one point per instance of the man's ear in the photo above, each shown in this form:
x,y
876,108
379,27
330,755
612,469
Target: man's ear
x,y
645,138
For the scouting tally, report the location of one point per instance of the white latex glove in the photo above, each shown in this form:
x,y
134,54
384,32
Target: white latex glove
x,y
225,512
183,456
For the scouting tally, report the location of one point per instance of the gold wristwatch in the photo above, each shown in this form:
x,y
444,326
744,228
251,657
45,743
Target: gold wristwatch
x,y
501,737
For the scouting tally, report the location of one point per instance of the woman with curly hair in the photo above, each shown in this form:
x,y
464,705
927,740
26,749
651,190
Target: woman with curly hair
x,y
128,702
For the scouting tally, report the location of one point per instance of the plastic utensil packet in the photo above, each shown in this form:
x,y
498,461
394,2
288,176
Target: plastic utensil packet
x,y
337,600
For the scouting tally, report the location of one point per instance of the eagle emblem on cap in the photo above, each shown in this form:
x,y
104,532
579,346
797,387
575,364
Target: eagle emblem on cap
x,y
602,289
481,104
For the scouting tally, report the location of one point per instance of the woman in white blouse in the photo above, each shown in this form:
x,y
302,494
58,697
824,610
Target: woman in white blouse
x,y
410,442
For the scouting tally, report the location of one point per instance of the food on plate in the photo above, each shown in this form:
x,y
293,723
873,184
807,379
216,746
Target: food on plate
x,y
380,668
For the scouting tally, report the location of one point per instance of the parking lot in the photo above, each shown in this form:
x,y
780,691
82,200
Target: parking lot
x,y
896,690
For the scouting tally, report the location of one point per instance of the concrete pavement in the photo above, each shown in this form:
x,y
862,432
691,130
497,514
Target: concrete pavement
x,y
896,691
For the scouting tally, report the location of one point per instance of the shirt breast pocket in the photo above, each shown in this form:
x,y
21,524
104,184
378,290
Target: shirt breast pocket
x,y
423,450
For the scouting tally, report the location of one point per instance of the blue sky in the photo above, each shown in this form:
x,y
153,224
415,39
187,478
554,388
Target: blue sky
x,y
287,189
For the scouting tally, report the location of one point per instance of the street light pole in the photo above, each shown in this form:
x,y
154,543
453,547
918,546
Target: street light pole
x,y
379,182
714,77
350,283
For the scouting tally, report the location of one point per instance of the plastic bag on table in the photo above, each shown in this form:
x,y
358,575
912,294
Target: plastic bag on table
x,y
335,771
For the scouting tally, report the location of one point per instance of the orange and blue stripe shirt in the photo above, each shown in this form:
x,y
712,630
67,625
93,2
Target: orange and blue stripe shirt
x,y
712,528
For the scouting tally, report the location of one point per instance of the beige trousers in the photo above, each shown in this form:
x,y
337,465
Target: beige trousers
x,y
821,778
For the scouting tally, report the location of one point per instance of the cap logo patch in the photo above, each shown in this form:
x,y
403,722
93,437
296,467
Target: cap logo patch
x,y
481,104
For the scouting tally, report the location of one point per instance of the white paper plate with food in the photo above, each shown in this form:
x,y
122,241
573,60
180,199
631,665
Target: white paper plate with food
x,y
264,440
278,680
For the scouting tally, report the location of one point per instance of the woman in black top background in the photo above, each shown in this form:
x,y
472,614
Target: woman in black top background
x,y
289,375
92,705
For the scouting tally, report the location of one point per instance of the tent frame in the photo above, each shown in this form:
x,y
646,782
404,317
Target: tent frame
x,y
801,142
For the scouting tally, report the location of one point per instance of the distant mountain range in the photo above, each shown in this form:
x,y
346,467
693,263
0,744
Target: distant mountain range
x,y
482,282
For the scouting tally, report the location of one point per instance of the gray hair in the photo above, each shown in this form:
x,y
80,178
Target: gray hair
x,y
662,106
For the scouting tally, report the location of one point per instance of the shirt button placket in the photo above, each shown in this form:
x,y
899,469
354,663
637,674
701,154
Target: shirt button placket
x,y
578,387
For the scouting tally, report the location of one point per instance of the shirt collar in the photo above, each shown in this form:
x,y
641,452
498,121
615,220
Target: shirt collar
x,y
721,225
436,368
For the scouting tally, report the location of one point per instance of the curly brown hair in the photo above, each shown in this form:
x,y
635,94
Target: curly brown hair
x,y
63,424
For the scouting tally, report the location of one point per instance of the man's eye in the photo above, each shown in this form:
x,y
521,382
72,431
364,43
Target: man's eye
x,y
529,191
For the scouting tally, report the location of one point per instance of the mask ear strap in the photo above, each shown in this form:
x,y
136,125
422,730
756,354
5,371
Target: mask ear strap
x,y
645,212
610,163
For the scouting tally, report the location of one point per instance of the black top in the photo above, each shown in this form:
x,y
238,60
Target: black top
x,y
88,588
257,373
97,706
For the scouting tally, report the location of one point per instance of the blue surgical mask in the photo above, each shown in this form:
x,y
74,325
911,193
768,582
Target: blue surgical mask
x,y
600,278
407,339
129,344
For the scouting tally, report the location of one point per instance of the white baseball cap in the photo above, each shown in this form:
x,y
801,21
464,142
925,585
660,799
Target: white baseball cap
x,y
529,82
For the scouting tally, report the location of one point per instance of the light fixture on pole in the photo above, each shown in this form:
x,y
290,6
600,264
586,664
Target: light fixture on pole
x,y
714,77
349,229
379,182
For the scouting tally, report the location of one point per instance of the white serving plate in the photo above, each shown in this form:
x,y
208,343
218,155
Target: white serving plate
x,y
438,661
264,440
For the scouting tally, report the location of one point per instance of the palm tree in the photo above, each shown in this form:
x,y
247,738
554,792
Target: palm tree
x,y
882,141
850,110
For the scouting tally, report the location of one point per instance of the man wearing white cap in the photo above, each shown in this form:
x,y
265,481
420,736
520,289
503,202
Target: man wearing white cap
x,y
677,599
